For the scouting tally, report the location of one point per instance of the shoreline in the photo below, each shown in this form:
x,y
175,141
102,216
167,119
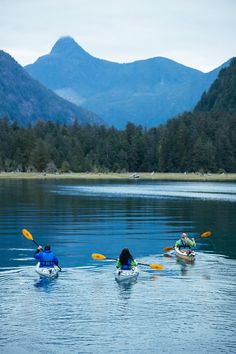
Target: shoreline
x,y
118,176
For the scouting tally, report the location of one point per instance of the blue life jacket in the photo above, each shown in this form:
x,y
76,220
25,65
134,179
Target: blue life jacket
x,y
183,245
46,258
126,266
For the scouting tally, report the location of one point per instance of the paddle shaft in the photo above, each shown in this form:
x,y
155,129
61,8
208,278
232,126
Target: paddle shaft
x,y
101,257
35,243
144,264
113,259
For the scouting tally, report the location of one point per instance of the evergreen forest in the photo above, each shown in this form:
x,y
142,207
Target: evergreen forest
x,y
200,141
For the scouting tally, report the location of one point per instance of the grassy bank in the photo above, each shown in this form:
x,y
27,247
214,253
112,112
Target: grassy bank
x,y
117,176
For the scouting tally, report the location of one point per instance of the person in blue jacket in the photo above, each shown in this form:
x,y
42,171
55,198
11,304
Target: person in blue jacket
x,y
46,257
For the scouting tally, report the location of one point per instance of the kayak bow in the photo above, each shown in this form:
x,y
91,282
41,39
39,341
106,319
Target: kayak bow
x,y
127,275
187,255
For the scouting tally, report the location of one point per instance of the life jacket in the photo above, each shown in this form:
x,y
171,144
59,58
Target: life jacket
x,y
183,245
47,264
46,258
126,266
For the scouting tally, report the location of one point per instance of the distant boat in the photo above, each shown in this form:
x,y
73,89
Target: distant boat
x,y
134,175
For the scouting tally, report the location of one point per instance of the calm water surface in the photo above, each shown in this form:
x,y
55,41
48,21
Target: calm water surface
x,y
183,308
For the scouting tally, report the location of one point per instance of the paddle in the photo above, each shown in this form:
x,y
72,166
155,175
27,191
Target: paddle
x,y
28,235
203,235
101,257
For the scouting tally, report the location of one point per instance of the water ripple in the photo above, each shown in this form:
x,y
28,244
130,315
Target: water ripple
x,y
88,311
199,190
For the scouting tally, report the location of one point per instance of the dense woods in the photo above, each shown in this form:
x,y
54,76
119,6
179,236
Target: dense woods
x,y
192,143
200,141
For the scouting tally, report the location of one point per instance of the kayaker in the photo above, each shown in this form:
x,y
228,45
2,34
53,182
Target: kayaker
x,y
46,257
126,260
185,242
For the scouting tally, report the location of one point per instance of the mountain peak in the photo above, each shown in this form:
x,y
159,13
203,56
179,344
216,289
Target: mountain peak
x,y
67,46
24,99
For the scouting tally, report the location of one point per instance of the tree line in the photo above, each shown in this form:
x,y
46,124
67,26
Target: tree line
x,y
193,142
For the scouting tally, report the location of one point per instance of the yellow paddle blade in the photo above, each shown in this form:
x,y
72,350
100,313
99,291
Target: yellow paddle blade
x,y
27,234
166,249
156,266
206,234
98,256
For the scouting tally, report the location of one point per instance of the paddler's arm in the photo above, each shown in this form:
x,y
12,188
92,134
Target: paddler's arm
x,y
118,265
178,243
37,252
192,243
55,260
39,249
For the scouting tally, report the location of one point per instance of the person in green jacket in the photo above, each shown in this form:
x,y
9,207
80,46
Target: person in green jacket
x,y
126,260
185,242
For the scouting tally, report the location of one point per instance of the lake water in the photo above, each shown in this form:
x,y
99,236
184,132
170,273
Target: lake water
x,y
185,308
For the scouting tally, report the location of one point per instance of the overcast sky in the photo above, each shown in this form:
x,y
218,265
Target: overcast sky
x,y
197,33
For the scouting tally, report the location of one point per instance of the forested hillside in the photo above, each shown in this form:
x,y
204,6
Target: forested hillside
x,y
78,148
204,140
221,96
25,100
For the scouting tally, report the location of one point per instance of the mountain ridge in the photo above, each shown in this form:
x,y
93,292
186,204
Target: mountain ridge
x,y
146,92
221,96
201,141
25,100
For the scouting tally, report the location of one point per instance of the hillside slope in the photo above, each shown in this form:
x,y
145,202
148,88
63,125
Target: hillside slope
x,y
146,92
25,100
205,139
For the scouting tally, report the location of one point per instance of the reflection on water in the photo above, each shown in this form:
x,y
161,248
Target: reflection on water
x,y
85,310
184,267
199,190
45,283
125,290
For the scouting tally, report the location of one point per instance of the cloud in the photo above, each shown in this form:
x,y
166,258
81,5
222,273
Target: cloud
x,y
196,33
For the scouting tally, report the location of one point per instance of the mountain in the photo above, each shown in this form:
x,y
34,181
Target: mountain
x,y
25,100
204,140
221,97
146,92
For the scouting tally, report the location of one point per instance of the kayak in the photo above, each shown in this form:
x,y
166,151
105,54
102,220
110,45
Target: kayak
x,y
127,275
187,255
47,272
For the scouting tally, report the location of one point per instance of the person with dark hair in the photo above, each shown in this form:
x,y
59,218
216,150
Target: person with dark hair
x,y
46,257
126,260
